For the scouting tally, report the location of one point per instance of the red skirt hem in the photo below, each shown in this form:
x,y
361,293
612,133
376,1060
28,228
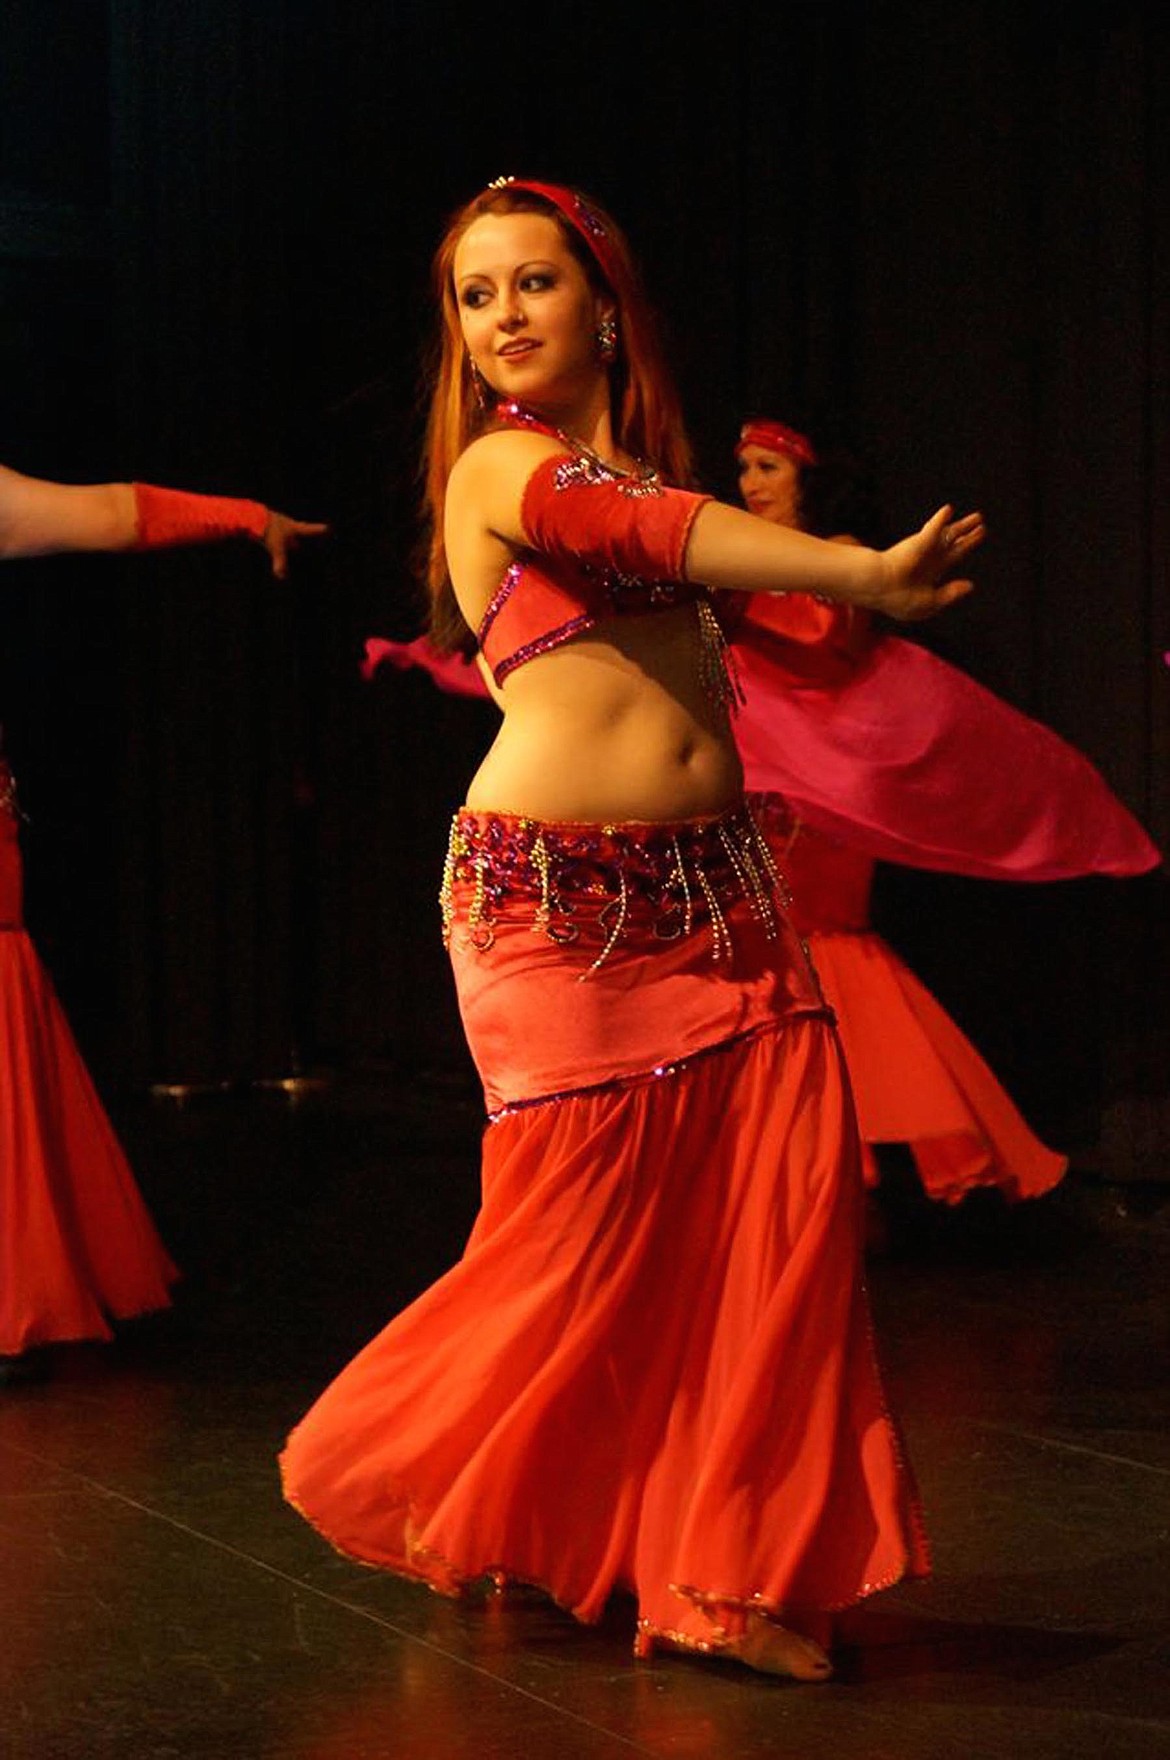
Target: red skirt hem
x,y
587,1402
77,1245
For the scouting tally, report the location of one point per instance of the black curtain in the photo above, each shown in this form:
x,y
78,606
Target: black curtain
x,y
945,228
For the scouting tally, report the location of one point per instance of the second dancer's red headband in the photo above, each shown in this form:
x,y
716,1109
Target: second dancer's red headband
x,y
775,437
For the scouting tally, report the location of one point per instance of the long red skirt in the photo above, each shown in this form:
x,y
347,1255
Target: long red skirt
x,y
77,1246
917,1079
652,1368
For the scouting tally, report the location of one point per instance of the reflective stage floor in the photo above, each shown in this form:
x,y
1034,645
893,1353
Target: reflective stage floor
x,y
157,1600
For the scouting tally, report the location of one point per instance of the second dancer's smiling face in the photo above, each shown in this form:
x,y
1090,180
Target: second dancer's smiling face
x,y
770,485
528,313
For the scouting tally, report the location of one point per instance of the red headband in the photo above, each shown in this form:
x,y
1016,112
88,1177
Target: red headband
x,y
775,437
581,217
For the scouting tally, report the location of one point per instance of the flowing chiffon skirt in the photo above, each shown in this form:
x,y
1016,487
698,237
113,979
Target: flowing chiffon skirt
x,y
916,1078
77,1246
652,1369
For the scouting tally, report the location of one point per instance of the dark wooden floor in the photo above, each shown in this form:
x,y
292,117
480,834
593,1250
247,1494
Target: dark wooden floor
x,y
158,1600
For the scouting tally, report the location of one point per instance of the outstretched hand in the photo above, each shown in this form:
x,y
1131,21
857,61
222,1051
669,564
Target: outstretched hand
x,y
282,535
918,575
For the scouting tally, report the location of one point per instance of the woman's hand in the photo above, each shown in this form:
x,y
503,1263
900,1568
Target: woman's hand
x,y
916,577
282,535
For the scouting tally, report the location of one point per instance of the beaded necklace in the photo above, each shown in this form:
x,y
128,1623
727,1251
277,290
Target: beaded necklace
x,y
644,479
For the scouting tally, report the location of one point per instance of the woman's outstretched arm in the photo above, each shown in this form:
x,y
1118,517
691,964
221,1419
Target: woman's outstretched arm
x,y
40,518
913,579
514,487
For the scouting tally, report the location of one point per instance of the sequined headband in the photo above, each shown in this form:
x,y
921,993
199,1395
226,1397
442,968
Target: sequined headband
x,y
775,437
581,217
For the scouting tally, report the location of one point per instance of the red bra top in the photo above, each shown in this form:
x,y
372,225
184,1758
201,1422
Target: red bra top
x,y
602,543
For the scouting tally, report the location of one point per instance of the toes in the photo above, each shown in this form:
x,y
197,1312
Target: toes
x,y
772,1649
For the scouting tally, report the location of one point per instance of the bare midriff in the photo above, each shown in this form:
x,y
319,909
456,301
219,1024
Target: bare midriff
x,y
615,725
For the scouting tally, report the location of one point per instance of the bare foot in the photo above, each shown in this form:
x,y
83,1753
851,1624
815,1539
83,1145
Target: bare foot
x,y
773,1649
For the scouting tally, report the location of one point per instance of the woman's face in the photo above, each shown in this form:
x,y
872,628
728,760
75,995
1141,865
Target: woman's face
x,y
528,314
770,485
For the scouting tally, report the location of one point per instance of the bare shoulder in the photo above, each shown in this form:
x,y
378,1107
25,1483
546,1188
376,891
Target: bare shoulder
x,y
505,457
485,492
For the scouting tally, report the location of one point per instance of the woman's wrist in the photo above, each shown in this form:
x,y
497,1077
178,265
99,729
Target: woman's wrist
x,y
870,584
853,576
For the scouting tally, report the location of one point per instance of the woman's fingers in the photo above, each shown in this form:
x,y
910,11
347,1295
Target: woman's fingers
x,y
950,591
963,535
282,534
917,606
948,540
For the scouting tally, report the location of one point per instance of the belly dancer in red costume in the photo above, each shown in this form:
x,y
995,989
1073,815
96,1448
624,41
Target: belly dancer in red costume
x,y
77,1246
652,1368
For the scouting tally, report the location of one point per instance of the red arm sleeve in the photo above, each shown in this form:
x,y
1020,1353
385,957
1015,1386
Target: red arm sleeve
x,y
634,526
167,517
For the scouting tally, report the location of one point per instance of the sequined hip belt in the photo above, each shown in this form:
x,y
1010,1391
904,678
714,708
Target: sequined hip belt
x,y
598,885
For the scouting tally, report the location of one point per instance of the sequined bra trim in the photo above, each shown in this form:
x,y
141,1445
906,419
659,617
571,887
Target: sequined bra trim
x,y
598,884
623,595
541,644
610,592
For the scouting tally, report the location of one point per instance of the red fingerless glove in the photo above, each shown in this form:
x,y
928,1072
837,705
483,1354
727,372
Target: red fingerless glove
x,y
632,525
167,517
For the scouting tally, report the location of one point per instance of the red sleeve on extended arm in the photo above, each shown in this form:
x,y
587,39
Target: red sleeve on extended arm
x,y
168,517
627,525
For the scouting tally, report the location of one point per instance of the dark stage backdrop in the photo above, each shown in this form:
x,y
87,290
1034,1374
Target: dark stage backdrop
x,y
946,227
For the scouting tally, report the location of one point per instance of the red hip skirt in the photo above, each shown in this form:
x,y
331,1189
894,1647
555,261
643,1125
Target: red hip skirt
x,y
652,1368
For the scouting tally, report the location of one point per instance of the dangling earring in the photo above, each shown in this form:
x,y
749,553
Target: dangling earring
x,y
607,338
477,385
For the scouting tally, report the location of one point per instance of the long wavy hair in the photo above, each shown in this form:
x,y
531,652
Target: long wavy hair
x,y
644,404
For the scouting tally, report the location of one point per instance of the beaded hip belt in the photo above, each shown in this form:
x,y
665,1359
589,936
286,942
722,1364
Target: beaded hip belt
x,y
590,883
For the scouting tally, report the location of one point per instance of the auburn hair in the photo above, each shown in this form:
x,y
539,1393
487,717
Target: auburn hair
x,y
644,404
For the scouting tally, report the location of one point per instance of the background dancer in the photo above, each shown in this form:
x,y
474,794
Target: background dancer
x,y
77,1245
916,1078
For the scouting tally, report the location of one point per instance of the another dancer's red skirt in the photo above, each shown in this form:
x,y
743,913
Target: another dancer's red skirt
x,y
652,1368
916,1078
77,1246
